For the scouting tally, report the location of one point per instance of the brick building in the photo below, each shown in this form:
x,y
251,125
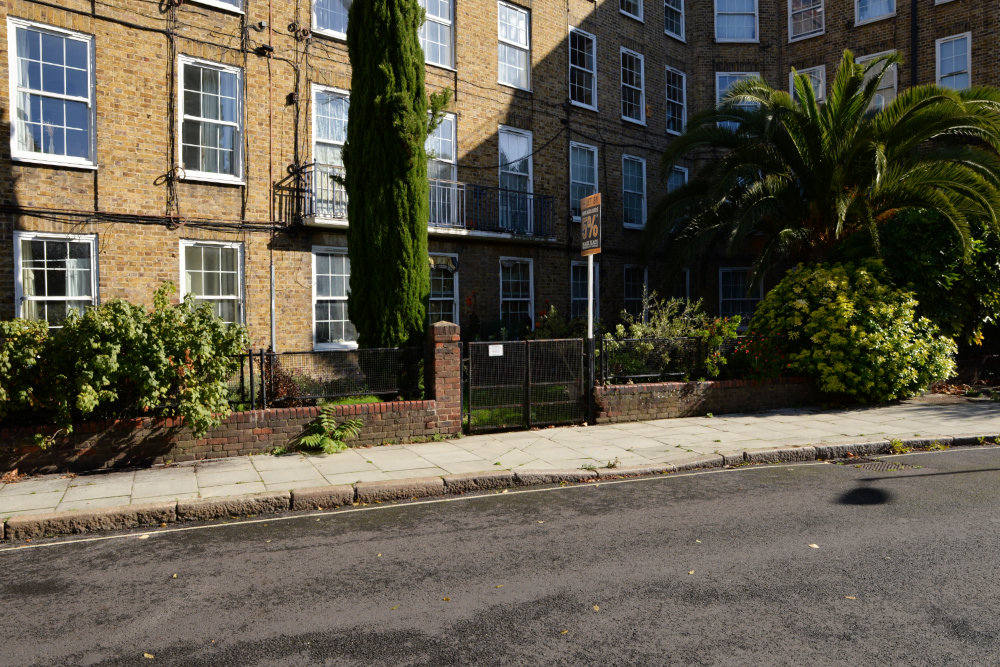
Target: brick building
x,y
196,141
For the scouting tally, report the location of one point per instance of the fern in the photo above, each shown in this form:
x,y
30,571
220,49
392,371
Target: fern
x,y
326,435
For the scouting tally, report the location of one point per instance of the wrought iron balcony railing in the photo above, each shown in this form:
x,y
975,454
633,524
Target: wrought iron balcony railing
x,y
313,194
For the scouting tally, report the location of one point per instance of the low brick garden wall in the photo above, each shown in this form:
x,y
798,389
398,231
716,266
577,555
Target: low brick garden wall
x,y
664,400
145,442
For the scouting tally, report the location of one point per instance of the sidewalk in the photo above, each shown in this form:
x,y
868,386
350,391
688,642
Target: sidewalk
x,y
661,445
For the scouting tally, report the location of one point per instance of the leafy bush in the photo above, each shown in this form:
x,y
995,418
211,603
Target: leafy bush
x,y
669,320
852,333
758,358
122,360
21,343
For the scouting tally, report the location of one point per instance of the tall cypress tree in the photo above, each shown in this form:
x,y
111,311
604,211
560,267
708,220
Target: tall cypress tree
x,y
386,173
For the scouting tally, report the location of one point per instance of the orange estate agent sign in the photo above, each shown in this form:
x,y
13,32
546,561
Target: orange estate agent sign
x,y
590,225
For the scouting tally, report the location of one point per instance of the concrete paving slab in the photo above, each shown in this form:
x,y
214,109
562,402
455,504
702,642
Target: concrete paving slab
x,y
283,462
93,490
30,486
480,465
305,473
232,490
514,458
94,503
359,476
397,458
32,501
166,498
419,472
439,458
160,487
227,477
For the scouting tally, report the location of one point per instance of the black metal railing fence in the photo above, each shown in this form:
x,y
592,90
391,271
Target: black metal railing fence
x,y
287,379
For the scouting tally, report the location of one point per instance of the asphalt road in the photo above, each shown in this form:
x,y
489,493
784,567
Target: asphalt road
x,y
712,568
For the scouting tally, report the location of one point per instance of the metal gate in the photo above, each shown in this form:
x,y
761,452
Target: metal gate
x,y
520,384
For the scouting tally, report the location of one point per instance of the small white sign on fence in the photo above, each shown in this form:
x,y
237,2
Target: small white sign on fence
x,y
496,350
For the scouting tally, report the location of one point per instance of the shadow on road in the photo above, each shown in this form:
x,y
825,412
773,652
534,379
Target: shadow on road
x,y
865,496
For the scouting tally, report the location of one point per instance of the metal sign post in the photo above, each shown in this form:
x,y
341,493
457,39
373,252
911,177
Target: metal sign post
x,y
590,245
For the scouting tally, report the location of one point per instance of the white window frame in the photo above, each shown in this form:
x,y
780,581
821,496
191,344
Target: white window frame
x,y
756,25
531,285
207,176
504,129
221,4
637,17
331,196
859,21
967,36
738,269
808,71
16,153
450,23
19,296
892,70
645,288
578,265
685,277
338,345
526,47
454,275
682,102
720,92
642,85
642,161
681,10
445,197
593,151
593,73
240,269
792,37
677,170
336,34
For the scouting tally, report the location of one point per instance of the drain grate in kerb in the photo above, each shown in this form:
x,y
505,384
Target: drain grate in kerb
x,y
875,465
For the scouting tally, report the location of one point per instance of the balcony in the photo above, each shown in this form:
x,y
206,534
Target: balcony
x,y
314,196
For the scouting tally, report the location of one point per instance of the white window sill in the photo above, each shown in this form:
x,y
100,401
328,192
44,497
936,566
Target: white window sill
x,y
330,347
449,68
220,5
510,85
679,38
675,133
332,34
634,121
874,19
809,36
628,226
52,161
719,40
631,16
581,105
206,177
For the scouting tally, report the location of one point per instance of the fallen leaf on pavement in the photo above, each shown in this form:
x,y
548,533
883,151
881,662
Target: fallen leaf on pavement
x,y
564,632
698,541
690,571
814,546
850,597
144,537
394,608
148,656
446,599
379,555
541,522
174,576
596,608
499,585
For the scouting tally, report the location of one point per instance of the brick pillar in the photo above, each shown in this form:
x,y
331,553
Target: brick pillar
x,y
444,375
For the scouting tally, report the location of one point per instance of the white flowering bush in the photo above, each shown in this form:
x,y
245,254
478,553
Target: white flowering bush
x,y
853,334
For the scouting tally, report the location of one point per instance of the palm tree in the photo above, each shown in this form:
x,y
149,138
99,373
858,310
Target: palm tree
x,y
802,175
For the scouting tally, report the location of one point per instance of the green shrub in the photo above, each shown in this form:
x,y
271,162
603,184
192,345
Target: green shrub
x,y
21,344
669,319
852,333
122,360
